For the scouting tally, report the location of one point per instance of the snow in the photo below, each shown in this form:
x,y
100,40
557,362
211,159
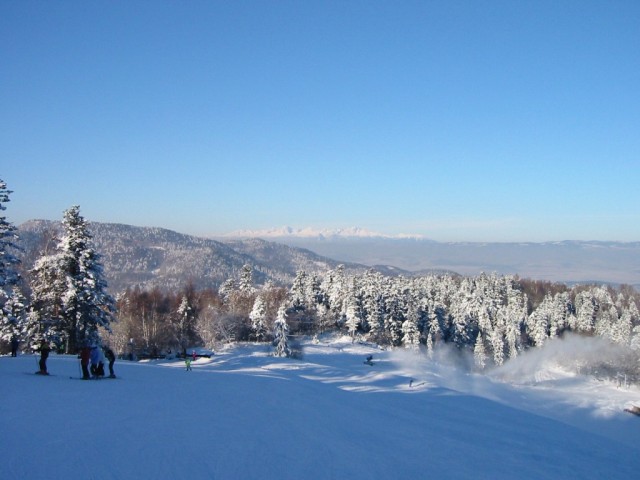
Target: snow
x,y
245,414
319,233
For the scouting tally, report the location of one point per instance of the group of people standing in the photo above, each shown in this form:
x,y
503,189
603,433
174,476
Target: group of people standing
x,y
92,362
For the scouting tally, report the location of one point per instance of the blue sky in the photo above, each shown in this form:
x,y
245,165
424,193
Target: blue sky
x,y
468,121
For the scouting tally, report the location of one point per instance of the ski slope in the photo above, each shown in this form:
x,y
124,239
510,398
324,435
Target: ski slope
x,y
246,415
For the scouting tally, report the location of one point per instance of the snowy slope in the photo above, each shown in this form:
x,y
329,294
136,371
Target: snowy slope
x,y
245,415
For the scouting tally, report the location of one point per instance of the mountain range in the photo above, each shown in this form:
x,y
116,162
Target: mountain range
x,y
155,257
565,261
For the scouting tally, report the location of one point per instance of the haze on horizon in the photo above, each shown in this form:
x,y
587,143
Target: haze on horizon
x,y
458,121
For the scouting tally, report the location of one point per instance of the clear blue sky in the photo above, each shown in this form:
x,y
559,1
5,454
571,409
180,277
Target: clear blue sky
x,y
458,120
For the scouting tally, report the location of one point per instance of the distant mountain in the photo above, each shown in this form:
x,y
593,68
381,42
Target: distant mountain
x,y
568,261
156,257
314,233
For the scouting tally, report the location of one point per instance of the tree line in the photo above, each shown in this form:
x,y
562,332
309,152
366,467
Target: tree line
x,y
64,302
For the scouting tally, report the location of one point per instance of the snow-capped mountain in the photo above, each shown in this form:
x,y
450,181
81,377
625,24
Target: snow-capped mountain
x,y
315,233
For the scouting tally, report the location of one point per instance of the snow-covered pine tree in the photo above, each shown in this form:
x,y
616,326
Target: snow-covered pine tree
x,y
335,285
185,329
281,333
538,322
634,315
227,290
86,303
515,313
258,317
586,309
373,304
410,331
45,322
479,353
13,317
313,295
353,309
245,285
11,300
8,261
298,291
621,330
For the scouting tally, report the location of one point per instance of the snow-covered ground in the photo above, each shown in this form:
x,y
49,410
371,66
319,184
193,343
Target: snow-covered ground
x,y
246,415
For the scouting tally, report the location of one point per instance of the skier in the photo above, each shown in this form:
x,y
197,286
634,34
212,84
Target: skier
x,y
187,362
44,354
108,353
14,346
97,362
85,356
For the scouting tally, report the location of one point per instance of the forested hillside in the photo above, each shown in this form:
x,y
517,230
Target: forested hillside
x,y
158,258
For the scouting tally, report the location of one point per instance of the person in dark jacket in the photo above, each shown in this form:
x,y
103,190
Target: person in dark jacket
x,y
85,356
110,356
14,346
44,350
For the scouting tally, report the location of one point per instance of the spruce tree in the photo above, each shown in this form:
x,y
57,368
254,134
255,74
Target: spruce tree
x,y
87,304
245,285
185,321
8,237
12,302
479,353
70,301
45,320
280,334
13,315
258,317
410,331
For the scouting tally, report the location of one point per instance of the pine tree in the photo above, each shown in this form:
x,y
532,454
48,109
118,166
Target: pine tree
x,y
8,237
410,334
13,317
227,290
586,310
298,291
186,320
258,317
353,309
45,321
373,304
280,334
245,285
479,353
70,300
12,303
539,320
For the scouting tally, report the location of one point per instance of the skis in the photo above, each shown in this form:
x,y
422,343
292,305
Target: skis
x,y
96,378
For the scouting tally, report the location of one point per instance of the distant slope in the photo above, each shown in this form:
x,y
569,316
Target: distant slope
x,y
156,257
